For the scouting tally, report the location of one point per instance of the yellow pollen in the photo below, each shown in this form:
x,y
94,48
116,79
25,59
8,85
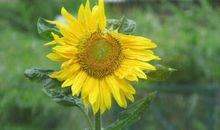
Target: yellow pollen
x,y
100,56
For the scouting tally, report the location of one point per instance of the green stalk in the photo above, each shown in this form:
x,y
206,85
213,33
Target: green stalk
x,y
98,121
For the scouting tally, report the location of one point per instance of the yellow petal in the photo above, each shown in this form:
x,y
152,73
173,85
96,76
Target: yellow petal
x,y
102,106
94,92
50,43
81,13
66,51
76,26
102,102
60,75
130,97
79,81
70,62
72,70
124,102
87,9
143,55
96,105
131,77
139,73
102,17
127,91
88,86
94,21
133,42
126,87
68,82
114,86
56,57
67,32
107,94
139,64
68,17
123,70
56,40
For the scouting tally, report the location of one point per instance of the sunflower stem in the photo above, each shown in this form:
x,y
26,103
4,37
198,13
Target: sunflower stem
x,y
98,121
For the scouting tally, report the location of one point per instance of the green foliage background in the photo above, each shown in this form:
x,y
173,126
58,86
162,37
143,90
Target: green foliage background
x,y
187,34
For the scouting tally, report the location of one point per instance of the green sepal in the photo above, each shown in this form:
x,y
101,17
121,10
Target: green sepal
x,y
122,25
132,113
52,88
162,72
45,29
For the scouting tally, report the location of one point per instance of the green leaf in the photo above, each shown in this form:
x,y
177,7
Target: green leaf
x,y
36,74
162,72
52,88
45,29
123,25
132,113
63,96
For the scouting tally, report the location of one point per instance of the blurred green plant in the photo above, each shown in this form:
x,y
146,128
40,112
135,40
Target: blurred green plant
x,y
23,14
188,36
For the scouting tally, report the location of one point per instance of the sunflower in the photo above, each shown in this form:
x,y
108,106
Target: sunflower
x,y
97,63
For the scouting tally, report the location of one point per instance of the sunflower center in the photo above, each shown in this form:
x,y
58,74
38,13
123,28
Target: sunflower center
x,y
100,55
100,51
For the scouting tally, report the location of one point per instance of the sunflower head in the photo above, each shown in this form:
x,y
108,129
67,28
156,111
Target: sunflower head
x,y
98,63
100,56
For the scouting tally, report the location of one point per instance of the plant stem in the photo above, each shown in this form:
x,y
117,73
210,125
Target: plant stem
x,y
98,121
